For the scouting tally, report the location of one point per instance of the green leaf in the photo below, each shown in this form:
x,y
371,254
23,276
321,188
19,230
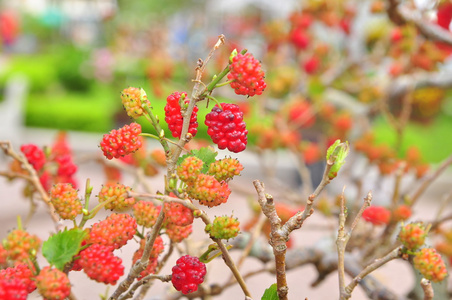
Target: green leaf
x,y
62,246
206,154
336,155
271,293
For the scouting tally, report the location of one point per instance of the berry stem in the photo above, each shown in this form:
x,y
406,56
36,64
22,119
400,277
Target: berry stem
x,y
150,135
396,253
223,83
214,100
94,211
155,123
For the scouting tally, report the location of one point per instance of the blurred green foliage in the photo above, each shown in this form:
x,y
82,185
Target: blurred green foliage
x,y
432,139
74,111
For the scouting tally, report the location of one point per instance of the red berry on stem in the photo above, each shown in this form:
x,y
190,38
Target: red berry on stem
x,y
100,264
188,274
174,118
34,155
246,75
121,142
227,128
377,215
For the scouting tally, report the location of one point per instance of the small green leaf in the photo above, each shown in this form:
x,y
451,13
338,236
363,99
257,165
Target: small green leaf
x,y
62,246
336,155
206,154
271,293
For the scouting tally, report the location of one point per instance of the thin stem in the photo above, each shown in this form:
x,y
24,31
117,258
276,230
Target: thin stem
x,y
158,128
34,180
426,183
396,253
142,263
341,242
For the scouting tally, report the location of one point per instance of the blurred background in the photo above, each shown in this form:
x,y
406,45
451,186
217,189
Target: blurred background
x,y
334,69
63,63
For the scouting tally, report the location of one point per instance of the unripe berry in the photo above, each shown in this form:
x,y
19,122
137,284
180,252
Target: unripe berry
x,y
178,233
20,245
116,194
65,200
401,213
132,98
146,213
178,214
430,264
223,228
189,169
208,191
413,235
225,169
53,284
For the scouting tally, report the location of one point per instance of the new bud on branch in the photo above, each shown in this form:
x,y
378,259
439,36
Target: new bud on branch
x,y
335,157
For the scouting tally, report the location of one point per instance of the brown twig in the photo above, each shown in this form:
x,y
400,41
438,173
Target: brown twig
x,y
142,263
34,180
280,233
429,179
428,289
427,29
342,240
396,253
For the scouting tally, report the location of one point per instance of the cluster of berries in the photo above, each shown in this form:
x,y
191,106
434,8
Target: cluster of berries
x,y
19,281
178,218
55,167
19,248
426,260
209,189
98,260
